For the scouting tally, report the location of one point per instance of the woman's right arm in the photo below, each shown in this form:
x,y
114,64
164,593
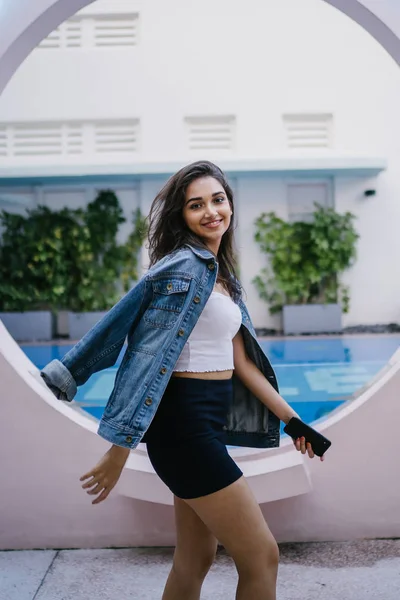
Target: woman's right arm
x,y
99,348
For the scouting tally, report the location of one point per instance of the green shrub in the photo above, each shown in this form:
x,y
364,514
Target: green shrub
x,y
68,259
305,259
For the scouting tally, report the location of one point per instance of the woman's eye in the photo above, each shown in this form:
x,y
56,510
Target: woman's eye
x,y
197,205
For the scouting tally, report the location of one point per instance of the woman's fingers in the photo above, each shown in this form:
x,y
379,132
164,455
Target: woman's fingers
x,y
103,495
310,450
305,447
86,476
91,482
97,489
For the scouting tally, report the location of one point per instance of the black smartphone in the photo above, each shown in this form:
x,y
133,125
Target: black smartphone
x,y
297,428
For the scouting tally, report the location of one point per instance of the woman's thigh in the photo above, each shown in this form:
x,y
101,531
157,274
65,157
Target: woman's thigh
x,y
195,544
235,519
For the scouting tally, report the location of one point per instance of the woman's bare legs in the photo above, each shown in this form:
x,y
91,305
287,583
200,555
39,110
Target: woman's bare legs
x,y
194,554
235,518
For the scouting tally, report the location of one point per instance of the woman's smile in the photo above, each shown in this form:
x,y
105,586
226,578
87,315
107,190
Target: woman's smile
x,y
213,224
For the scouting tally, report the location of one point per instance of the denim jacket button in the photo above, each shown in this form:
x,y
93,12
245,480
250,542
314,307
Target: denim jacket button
x,y
196,299
211,266
128,439
169,286
181,332
163,371
148,402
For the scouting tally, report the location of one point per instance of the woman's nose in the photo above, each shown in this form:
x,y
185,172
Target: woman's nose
x,y
211,211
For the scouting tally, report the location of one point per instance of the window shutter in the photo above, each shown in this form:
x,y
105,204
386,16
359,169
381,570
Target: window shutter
x,y
308,130
94,31
63,139
210,133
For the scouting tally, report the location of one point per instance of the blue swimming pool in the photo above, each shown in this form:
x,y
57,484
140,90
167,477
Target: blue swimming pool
x,y
315,375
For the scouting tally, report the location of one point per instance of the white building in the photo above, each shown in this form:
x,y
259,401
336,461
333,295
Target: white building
x,y
127,91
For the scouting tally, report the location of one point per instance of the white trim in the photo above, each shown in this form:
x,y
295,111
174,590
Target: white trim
x,y
334,165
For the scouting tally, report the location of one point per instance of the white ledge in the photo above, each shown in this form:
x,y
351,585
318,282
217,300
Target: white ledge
x,y
271,475
293,163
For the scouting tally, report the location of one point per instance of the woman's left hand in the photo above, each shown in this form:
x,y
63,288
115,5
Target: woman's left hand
x,y
305,447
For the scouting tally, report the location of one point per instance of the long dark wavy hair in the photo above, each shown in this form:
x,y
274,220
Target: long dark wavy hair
x,y
168,230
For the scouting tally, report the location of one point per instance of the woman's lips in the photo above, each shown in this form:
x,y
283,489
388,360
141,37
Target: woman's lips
x,y
213,224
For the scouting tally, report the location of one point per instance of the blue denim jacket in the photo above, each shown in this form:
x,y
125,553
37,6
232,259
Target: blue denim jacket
x,y
156,317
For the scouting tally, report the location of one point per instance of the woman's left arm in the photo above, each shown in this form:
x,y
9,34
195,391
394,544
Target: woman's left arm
x,y
259,385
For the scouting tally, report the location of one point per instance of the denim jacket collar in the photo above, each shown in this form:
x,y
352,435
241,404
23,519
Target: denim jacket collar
x,y
201,252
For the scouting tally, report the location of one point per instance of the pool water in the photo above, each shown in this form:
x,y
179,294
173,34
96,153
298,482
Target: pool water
x,y
315,375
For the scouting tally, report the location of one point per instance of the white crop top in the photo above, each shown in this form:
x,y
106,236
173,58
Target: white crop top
x,y
209,346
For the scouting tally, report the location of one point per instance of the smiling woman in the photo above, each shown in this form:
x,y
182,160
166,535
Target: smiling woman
x,y
207,211
197,203
175,389
199,262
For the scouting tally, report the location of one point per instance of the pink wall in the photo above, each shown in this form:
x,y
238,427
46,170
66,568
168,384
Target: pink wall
x,y
46,445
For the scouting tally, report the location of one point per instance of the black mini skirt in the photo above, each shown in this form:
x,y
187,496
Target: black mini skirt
x,y
184,440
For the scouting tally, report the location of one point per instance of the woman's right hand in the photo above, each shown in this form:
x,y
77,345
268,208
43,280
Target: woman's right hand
x,y
104,476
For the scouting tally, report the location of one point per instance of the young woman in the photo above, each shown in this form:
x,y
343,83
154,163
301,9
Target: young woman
x,y
192,379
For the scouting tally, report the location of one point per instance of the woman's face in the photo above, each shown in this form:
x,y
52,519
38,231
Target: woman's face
x,y
207,211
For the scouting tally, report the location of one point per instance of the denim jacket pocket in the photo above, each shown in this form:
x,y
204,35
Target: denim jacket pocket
x,y
169,295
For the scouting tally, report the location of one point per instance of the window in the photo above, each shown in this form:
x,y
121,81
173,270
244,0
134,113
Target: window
x,y
302,196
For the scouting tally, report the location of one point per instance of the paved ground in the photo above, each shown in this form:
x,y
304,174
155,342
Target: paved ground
x,y
367,570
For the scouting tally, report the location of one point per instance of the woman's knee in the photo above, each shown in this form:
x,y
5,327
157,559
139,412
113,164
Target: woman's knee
x,y
273,553
262,561
196,564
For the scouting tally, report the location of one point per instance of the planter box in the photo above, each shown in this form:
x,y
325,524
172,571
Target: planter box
x,y
32,326
81,323
312,318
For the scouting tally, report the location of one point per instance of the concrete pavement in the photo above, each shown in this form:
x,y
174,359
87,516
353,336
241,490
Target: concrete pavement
x,y
365,570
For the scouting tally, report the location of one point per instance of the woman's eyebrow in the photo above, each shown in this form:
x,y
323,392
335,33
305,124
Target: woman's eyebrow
x,y
201,198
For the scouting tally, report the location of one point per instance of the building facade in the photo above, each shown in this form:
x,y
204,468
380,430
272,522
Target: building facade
x,y
297,110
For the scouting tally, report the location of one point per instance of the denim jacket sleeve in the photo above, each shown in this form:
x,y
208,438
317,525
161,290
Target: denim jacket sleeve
x,y
98,349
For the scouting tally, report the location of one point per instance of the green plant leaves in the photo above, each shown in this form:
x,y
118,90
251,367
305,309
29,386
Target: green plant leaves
x,y
68,259
305,259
